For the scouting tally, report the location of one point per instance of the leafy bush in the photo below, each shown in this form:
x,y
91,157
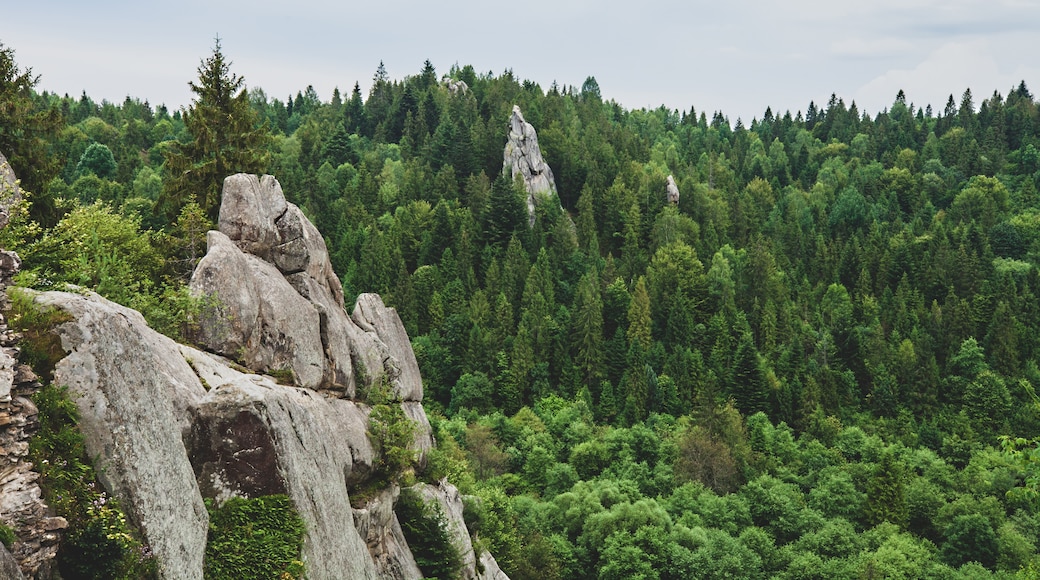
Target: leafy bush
x,y
7,536
391,432
40,347
251,538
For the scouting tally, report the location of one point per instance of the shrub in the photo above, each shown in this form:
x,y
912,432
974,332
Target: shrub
x,y
40,346
254,538
99,542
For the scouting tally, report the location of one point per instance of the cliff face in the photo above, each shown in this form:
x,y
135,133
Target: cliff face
x,y
171,425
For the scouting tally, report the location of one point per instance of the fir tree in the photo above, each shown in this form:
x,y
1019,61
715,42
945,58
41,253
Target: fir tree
x,y
227,138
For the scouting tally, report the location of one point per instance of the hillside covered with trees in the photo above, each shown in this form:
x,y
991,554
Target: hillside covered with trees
x,y
820,363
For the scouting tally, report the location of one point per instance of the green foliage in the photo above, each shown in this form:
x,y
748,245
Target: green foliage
x,y
226,138
426,530
97,159
40,346
25,129
254,538
870,305
391,431
7,536
99,542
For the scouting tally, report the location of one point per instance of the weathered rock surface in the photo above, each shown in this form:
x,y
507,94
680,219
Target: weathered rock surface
x,y
373,316
378,525
21,502
672,191
9,566
252,437
170,425
523,157
279,306
10,193
134,392
450,500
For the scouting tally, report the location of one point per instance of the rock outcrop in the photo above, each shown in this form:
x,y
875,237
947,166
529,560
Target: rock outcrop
x,y
170,425
278,306
10,193
672,191
378,525
523,157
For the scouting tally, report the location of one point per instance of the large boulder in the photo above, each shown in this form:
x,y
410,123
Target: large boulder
x,y
135,393
672,191
252,437
373,316
523,157
170,425
377,523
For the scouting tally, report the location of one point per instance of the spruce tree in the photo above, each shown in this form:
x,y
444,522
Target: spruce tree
x,y
227,138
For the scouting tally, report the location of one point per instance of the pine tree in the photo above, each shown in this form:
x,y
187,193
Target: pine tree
x,y
24,130
639,316
886,495
587,333
227,138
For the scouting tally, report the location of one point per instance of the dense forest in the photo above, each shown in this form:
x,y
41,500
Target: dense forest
x,y
820,363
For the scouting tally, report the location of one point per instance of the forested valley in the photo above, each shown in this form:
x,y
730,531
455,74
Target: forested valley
x,y
820,362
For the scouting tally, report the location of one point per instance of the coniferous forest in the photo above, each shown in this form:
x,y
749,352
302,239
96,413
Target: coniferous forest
x,y
820,363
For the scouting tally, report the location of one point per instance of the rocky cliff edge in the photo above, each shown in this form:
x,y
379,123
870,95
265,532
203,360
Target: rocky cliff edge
x,y
171,424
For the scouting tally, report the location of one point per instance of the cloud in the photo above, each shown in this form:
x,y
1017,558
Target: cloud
x,y
949,69
857,47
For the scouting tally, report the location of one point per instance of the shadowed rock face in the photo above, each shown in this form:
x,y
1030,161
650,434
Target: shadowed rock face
x,y
523,157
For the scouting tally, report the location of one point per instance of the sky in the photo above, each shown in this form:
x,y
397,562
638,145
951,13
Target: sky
x,y
735,56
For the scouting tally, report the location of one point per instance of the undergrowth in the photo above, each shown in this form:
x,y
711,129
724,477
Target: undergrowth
x,y
254,538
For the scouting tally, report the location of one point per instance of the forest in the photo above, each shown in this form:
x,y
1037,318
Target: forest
x,y
820,363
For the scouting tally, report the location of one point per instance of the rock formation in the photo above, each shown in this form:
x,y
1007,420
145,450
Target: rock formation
x,y
10,193
672,191
455,87
523,157
170,425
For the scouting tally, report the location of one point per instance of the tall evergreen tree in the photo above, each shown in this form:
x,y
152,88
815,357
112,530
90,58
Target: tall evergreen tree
x,y
24,130
227,138
587,333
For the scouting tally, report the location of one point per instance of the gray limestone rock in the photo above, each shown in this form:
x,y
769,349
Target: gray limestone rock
x,y
258,318
672,191
278,305
253,437
9,566
10,193
249,207
373,316
134,392
523,157
377,523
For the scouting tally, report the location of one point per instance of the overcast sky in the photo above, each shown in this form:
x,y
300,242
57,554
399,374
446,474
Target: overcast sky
x,y
737,56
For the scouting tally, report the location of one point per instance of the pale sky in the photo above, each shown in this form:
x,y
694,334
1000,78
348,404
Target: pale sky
x,y
737,56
